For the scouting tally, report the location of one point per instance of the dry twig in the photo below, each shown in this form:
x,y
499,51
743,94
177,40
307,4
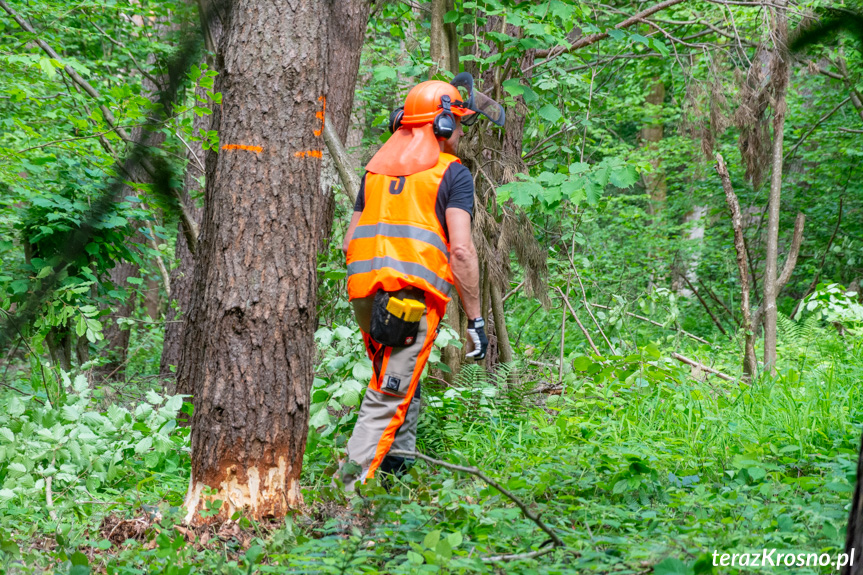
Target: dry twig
x,y
556,541
701,366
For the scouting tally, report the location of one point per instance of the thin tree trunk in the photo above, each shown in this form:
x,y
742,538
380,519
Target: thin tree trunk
x,y
442,38
503,345
652,134
444,43
749,362
248,345
780,74
117,339
348,20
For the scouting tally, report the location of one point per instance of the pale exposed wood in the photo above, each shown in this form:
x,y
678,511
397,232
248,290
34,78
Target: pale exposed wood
x,y
342,160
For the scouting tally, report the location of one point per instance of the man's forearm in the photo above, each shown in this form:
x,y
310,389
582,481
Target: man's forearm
x,y
465,268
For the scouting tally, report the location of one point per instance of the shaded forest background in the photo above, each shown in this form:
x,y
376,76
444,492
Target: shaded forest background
x,y
669,230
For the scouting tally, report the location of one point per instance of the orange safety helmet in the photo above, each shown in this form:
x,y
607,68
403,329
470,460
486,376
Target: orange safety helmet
x,y
423,103
428,116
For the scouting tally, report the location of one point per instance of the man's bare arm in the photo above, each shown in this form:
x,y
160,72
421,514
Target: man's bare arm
x,y
350,233
463,260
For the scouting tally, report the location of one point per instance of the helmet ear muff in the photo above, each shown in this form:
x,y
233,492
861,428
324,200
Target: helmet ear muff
x,y
395,120
444,123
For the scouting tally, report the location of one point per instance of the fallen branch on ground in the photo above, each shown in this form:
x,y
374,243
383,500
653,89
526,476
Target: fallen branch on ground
x,y
701,366
656,323
556,541
578,321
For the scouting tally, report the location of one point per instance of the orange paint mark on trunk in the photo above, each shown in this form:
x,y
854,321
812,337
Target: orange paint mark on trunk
x,y
321,116
256,149
310,154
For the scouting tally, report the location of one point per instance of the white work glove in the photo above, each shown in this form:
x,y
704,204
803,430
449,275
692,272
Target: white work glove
x,y
476,331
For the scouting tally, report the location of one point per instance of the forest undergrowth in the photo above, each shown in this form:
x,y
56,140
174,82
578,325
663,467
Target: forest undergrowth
x,y
638,464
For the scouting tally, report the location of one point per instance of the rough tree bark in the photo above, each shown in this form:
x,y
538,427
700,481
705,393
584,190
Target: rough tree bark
x,y
444,42
248,346
780,75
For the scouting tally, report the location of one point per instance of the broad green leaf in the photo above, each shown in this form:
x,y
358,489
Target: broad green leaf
x,y
47,67
384,73
144,445
550,113
431,539
7,434
623,177
15,407
320,419
362,370
153,397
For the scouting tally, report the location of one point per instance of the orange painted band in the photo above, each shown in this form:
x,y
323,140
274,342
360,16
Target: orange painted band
x,y
256,149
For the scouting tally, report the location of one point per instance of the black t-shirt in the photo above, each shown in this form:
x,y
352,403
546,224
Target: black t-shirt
x,y
455,191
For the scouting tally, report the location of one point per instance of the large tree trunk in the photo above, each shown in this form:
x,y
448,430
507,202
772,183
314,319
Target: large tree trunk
x,y
780,76
248,346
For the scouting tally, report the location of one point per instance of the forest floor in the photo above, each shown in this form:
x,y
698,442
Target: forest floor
x,y
639,465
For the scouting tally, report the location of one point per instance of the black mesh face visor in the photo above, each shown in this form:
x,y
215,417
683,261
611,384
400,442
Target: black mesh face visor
x,y
478,102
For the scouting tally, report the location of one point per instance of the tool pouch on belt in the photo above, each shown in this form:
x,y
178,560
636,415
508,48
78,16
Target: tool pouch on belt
x,y
395,322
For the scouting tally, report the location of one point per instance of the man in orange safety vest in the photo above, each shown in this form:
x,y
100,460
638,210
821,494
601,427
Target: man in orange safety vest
x,y
409,242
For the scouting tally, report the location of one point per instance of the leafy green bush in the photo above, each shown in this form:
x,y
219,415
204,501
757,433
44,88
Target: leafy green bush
x,y
82,449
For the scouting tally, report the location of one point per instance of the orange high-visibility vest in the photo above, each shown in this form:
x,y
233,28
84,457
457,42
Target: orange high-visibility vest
x,y
399,241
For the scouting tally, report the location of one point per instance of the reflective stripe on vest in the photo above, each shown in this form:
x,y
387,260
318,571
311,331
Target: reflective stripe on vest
x,y
401,231
410,268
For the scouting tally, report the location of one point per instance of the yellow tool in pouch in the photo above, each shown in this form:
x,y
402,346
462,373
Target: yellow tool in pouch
x,y
406,309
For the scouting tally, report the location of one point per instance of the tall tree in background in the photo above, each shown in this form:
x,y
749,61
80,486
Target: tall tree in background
x,y
779,73
183,275
248,346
